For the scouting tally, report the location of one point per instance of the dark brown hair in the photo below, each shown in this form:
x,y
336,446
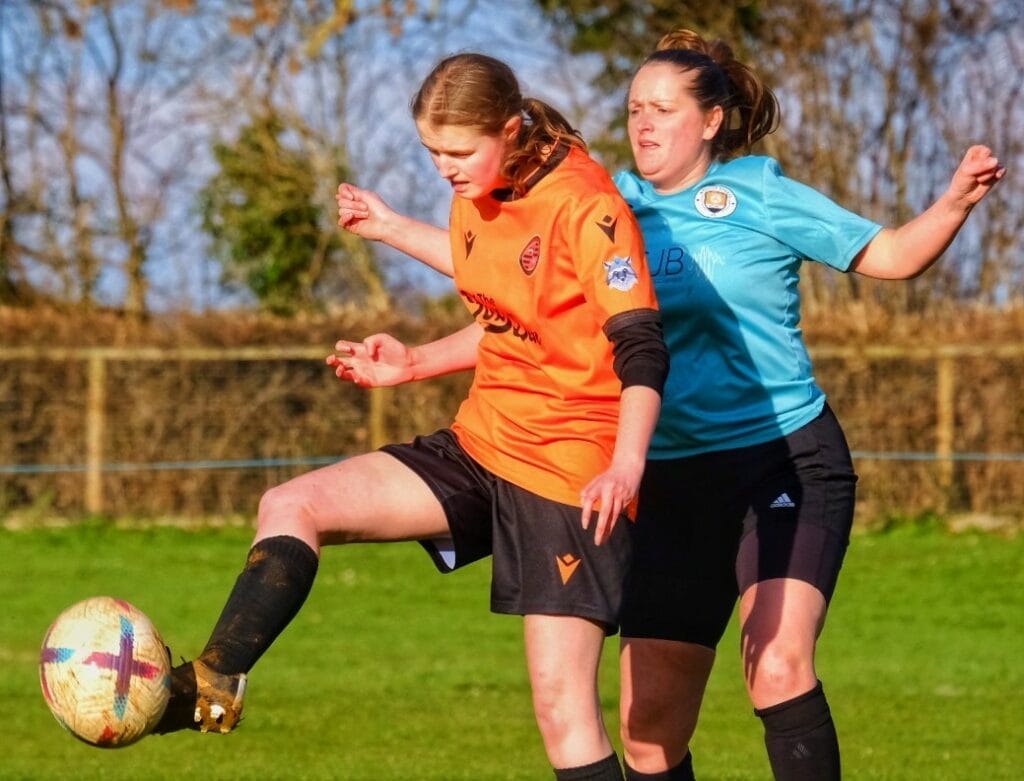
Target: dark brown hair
x,y
750,109
477,91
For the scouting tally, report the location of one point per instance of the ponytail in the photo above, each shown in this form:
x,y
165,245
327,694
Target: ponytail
x,y
750,109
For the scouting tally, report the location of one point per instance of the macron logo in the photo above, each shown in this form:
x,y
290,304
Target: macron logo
x,y
782,500
607,224
567,565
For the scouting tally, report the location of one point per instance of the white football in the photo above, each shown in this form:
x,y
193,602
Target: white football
x,y
105,672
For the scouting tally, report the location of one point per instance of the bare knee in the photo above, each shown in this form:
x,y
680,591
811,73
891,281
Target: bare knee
x,y
557,712
287,509
563,654
662,689
656,733
654,717
554,722
780,621
570,723
777,673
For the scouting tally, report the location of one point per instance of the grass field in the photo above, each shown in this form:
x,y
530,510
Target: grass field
x,y
394,672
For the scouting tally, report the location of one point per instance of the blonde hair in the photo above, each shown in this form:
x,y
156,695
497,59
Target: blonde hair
x,y
481,92
750,109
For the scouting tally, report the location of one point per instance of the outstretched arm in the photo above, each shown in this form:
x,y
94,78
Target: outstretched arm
x,y
365,214
907,251
381,360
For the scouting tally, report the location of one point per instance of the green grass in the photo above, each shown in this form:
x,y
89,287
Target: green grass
x,y
394,672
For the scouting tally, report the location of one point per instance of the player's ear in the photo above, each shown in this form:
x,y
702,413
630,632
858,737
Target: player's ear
x,y
511,130
712,123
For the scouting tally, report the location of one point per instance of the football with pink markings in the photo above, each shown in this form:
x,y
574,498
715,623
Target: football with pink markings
x,y
105,672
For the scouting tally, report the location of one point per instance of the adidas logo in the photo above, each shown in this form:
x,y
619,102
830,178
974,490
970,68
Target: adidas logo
x,y
567,565
782,500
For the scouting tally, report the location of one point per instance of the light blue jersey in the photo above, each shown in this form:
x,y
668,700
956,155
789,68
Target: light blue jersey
x,y
725,255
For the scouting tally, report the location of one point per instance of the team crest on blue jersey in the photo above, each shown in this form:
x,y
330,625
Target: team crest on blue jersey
x,y
529,258
715,201
620,274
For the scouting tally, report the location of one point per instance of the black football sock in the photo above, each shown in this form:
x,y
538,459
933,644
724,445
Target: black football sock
x,y
275,582
607,769
801,738
681,772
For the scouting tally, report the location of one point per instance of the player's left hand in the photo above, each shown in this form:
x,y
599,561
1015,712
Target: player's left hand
x,y
609,494
378,361
363,212
977,173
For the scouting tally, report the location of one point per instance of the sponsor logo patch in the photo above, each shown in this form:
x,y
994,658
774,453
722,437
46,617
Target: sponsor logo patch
x,y
620,274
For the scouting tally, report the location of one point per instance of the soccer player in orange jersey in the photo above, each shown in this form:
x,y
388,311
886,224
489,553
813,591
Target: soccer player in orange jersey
x,y
545,456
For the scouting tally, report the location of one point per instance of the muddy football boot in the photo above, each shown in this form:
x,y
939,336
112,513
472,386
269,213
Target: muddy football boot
x,y
202,699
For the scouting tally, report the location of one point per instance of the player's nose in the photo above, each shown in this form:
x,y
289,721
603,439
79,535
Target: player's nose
x,y
449,170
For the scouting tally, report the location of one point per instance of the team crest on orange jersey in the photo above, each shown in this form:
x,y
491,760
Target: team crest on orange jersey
x,y
529,258
620,274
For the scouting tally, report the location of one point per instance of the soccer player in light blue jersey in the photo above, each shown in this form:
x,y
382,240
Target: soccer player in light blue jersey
x,y
748,492
749,487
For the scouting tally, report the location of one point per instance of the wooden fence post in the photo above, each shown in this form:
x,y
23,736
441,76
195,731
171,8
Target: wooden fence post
x,y
945,382
94,427
377,417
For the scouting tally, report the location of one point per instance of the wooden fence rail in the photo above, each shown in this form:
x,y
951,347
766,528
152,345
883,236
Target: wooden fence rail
x,y
96,360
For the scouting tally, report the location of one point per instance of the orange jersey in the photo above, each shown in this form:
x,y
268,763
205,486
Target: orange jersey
x,y
542,274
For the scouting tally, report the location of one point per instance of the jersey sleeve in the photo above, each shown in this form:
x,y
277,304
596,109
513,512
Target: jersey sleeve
x,y
628,185
638,346
608,252
813,225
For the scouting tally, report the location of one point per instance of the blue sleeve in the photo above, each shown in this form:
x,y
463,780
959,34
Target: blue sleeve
x,y
810,223
628,185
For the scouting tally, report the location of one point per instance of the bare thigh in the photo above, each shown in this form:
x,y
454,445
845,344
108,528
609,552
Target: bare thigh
x,y
367,498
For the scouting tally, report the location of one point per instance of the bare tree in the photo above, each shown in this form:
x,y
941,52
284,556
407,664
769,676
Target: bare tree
x,y
93,104
111,109
880,98
878,112
10,270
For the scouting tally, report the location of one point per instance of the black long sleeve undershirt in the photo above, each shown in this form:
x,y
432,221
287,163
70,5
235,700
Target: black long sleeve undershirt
x,y
638,347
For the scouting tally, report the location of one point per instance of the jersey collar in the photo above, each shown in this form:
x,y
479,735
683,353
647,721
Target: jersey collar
x,y
557,156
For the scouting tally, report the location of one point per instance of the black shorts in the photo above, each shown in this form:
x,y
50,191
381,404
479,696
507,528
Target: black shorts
x,y
709,526
543,561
